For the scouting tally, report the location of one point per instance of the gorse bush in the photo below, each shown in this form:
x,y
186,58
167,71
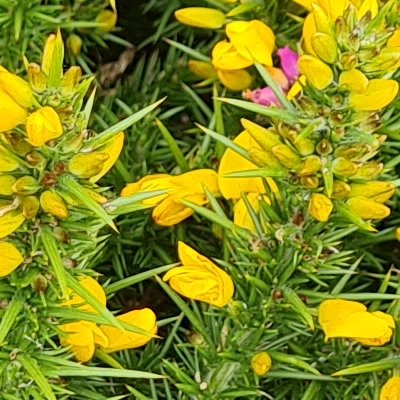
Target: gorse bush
x,y
242,239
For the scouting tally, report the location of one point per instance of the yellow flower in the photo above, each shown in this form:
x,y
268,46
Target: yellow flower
x,y
190,186
17,88
235,80
254,40
261,363
353,80
225,56
317,73
11,113
82,337
378,191
397,234
367,209
320,207
86,165
377,95
200,279
118,339
201,17
10,222
394,40
91,286
232,188
350,319
202,69
42,126
391,389
53,204
296,88
10,258
325,47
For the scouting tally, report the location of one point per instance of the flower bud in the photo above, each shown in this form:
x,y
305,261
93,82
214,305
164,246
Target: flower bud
x,y
235,80
37,77
369,171
74,44
310,181
261,363
324,147
35,159
325,47
286,156
52,60
343,167
19,145
202,69
323,24
42,126
8,163
349,61
201,17
107,20
320,207
264,158
310,166
378,191
317,73
86,165
305,146
263,136
354,151
53,204
30,207
341,190
71,80
26,185
6,183
367,209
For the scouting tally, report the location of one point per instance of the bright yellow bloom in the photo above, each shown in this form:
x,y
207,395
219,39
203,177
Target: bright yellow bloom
x,y
225,56
53,204
350,319
11,113
377,95
353,80
16,87
261,363
391,389
190,186
394,40
325,47
202,69
199,278
10,258
241,215
320,207
296,88
82,337
378,191
10,222
42,126
317,73
201,17
367,209
92,287
235,80
118,339
254,40
86,165
232,188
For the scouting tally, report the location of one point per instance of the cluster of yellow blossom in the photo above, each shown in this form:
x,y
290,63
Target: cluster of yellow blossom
x,y
43,138
84,336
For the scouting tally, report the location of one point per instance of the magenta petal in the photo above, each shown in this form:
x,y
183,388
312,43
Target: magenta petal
x,y
289,60
265,97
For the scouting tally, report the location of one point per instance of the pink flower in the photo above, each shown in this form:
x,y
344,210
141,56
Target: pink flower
x,y
289,60
264,97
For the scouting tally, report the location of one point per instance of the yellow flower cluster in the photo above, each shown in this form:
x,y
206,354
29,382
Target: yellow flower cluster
x,y
43,139
84,336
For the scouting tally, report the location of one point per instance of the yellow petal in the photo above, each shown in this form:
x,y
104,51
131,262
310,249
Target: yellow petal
x,y
171,211
241,215
17,88
296,88
202,69
378,94
305,3
320,207
107,20
200,279
7,162
52,60
325,47
371,6
378,191
261,363
10,222
226,57
353,80
92,287
232,188
391,389
309,29
149,183
196,181
394,40
252,39
201,17
367,209
317,73
6,183
53,204
122,340
42,126
10,258
265,138
11,113
235,80
87,165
